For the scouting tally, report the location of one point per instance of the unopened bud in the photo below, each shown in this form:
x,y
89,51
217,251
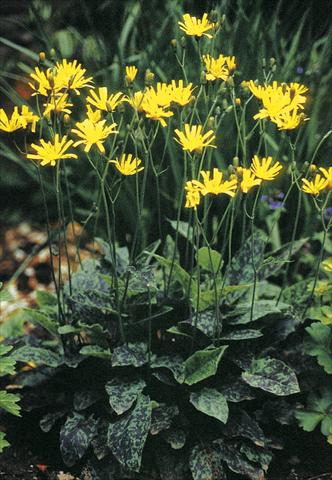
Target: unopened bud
x,y
272,61
210,122
274,68
149,77
264,62
230,81
183,42
236,162
174,43
230,169
313,167
217,111
66,118
238,101
50,77
52,54
42,57
224,104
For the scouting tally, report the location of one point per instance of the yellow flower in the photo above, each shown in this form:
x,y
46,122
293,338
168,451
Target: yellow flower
x,y
281,103
10,124
315,186
218,68
327,264
28,117
193,195
93,115
64,76
193,140
161,95
70,75
180,94
155,112
50,152
136,101
58,103
288,120
216,185
249,180
328,175
263,169
127,165
103,101
41,84
131,72
196,26
93,133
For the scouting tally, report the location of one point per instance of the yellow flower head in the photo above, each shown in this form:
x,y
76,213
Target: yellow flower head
x,y
249,180
263,169
50,152
154,111
28,117
64,76
160,95
180,94
192,139
136,101
281,103
103,101
127,165
57,103
327,172
93,133
218,68
288,119
10,124
216,185
93,115
315,186
70,75
196,26
193,195
131,72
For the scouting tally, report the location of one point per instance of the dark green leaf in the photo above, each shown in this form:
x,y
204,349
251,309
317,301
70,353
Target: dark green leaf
x,y
134,354
211,402
240,424
96,351
83,399
173,363
175,437
162,417
202,364
39,318
49,420
237,462
273,376
123,393
206,464
257,455
236,390
75,437
127,436
244,334
40,356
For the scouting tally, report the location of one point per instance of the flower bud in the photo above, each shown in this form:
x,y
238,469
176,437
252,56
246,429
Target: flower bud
x,y
183,42
230,169
272,61
42,57
224,104
52,54
264,62
217,111
238,101
230,81
149,78
50,77
66,118
236,162
210,122
174,43
313,167
213,17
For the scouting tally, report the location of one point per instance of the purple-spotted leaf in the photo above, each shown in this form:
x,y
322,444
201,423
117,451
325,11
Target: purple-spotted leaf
x,y
211,402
